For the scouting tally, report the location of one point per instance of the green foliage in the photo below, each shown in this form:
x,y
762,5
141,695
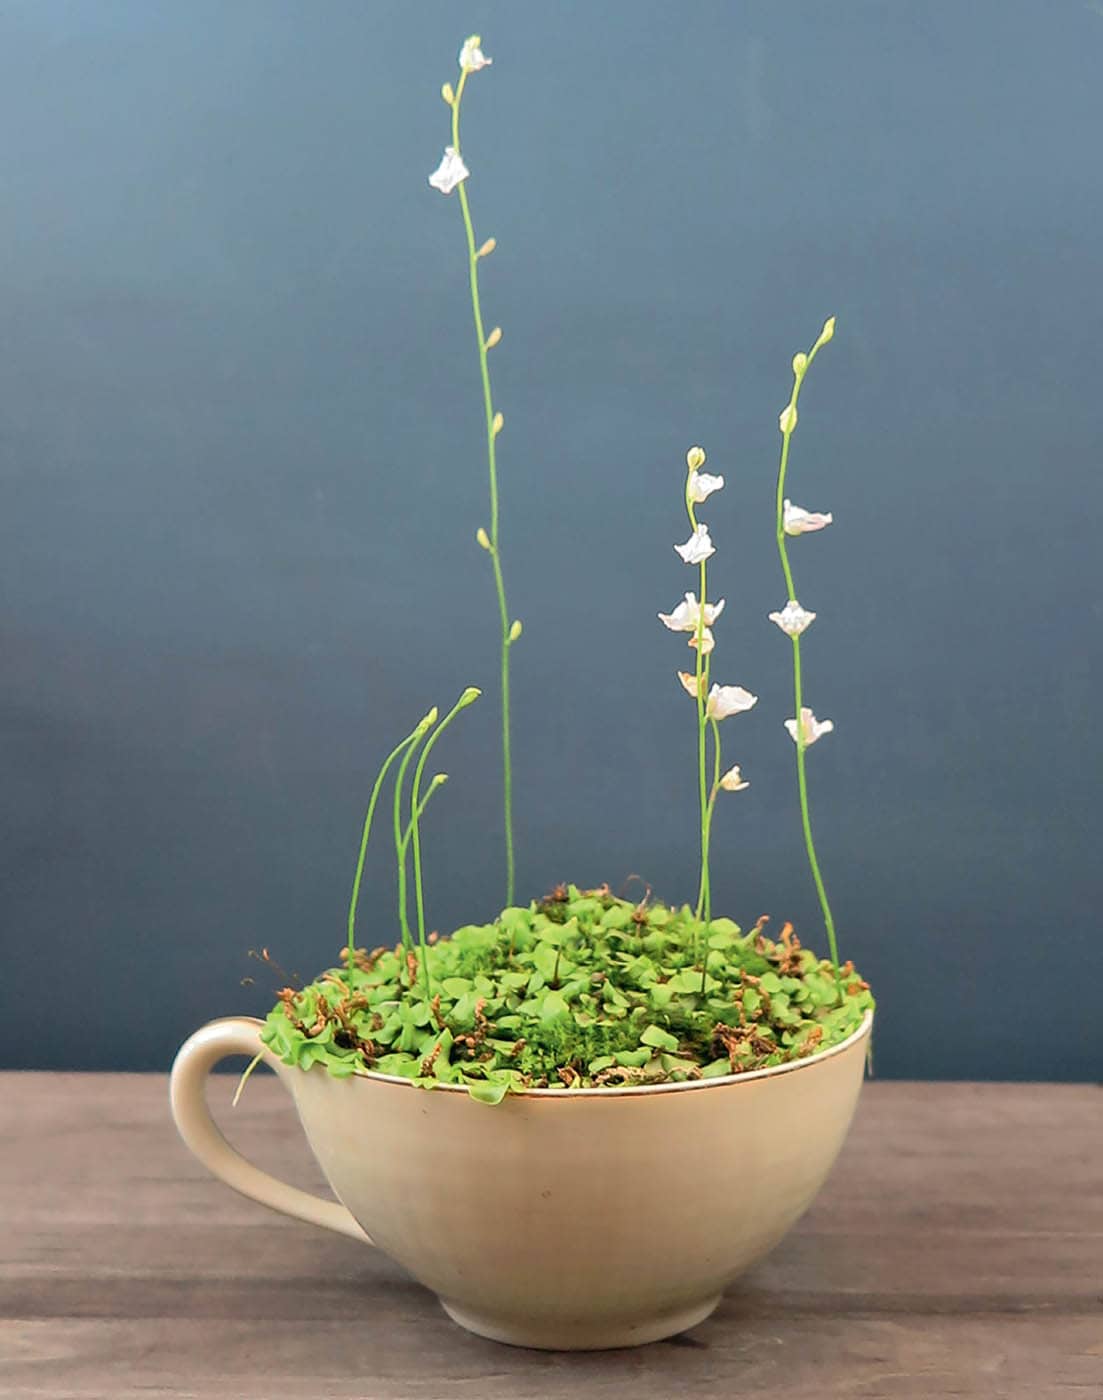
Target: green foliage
x,y
578,990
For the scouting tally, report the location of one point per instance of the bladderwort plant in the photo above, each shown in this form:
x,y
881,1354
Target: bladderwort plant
x,y
714,702
805,729
450,175
583,987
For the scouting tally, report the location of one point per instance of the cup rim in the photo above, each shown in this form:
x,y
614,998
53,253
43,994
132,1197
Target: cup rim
x,y
638,1090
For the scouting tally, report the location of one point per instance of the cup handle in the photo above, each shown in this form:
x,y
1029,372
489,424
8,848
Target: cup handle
x,y
240,1035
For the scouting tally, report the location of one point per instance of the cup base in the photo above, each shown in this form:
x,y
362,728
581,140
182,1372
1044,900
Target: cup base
x,y
581,1334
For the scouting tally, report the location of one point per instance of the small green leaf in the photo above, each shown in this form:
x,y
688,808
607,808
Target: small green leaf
x,y
688,981
715,1068
660,995
660,1039
555,1004
487,1091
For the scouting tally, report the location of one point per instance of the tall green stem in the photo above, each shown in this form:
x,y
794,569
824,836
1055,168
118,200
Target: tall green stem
x,y
713,791
800,369
492,429
702,678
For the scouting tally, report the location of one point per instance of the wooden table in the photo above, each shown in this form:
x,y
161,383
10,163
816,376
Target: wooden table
x,y
956,1251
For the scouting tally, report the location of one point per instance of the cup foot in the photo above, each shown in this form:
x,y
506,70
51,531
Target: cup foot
x,y
579,1334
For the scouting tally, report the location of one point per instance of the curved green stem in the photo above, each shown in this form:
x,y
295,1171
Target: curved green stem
x,y
399,847
409,739
417,806
798,695
493,533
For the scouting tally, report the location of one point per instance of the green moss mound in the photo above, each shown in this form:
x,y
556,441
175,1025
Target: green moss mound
x,y
580,989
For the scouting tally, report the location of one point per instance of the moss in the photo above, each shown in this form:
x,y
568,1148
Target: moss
x,y
578,989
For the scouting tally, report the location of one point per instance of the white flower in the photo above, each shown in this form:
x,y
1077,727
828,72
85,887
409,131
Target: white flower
x,y
732,781
697,548
725,700
792,619
707,641
701,486
471,55
449,172
689,683
687,615
798,521
811,727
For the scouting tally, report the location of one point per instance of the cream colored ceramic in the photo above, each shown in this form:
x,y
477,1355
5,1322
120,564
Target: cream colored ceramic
x,y
561,1219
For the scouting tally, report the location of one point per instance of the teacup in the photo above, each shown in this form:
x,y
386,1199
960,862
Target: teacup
x,y
563,1219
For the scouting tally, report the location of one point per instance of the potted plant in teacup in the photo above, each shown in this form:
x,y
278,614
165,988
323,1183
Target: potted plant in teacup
x,y
577,1123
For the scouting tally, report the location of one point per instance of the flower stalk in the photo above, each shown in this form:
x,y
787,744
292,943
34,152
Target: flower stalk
x,y
453,175
714,702
793,620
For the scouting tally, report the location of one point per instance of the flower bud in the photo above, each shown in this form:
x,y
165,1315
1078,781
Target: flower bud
x,y
787,420
800,362
447,94
487,247
828,330
428,722
483,538
494,337
439,779
498,424
695,458
516,630
469,696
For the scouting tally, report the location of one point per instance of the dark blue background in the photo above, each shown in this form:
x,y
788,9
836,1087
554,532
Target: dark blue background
x,y
242,471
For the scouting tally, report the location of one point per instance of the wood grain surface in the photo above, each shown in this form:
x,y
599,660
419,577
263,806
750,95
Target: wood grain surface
x,y
957,1250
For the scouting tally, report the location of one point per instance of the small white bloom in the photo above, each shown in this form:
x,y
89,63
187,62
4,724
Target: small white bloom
x,y
697,548
732,781
689,683
798,521
686,616
787,419
811,727
472,57
701,486
792,619
707,641
725,700
449,172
